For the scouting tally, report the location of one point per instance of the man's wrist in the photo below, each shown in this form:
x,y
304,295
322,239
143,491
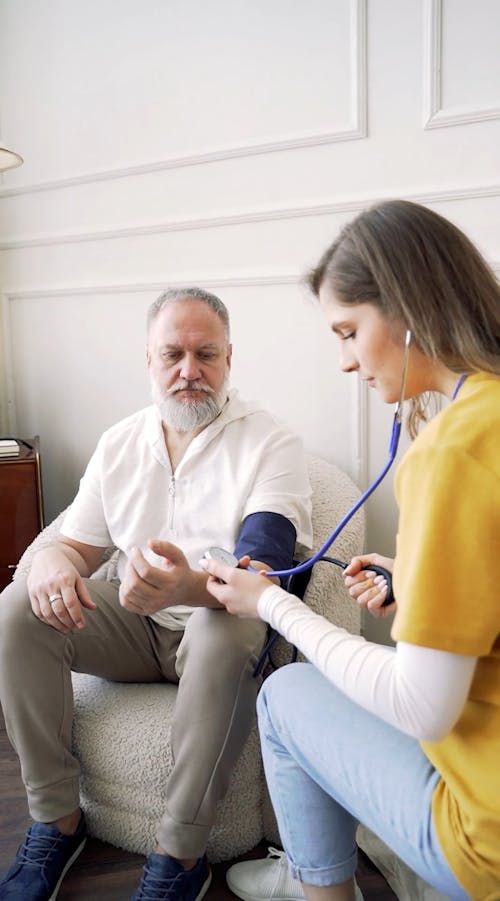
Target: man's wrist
x,y
257,564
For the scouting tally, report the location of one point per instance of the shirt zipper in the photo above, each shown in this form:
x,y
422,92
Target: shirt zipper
x,y
171,491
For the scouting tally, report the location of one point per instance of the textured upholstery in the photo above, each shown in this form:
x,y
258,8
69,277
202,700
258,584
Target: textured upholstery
x,y
121,731
403,881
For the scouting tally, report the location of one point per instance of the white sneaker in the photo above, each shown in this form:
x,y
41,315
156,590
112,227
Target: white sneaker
x,y
267,880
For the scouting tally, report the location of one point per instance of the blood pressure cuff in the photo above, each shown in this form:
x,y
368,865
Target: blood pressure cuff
x,y
268,537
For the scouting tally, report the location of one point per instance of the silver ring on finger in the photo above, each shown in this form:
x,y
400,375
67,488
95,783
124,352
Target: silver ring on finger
x,y
55,597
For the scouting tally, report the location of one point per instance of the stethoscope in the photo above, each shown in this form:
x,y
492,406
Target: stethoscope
x,y
229,559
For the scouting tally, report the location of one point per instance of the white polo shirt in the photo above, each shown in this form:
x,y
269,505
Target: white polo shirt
x,y
244,462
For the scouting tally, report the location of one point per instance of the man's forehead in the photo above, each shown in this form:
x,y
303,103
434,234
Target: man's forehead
x,y
188,308
188,316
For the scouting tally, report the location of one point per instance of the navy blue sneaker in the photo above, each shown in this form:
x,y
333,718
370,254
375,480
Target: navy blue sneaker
x,y
164,879
41,863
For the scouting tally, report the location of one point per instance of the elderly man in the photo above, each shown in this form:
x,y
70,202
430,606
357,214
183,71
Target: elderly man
x,y
199,467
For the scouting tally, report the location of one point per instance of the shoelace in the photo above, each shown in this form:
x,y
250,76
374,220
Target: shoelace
x,y
37,849
273,852
152,887
281,857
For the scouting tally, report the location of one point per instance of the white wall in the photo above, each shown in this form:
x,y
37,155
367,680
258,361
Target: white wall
x,y
222,144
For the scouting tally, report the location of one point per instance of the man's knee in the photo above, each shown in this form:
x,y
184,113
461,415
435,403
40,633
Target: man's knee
x,y
214,638
17,620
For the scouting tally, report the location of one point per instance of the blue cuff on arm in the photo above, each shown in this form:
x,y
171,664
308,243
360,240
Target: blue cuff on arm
x,y
268,537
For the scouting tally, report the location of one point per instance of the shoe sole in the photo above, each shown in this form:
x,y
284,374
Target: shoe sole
x,y
205,886
66,868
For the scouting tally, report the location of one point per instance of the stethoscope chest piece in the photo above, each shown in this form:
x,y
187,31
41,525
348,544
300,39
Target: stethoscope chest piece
x,y
221,555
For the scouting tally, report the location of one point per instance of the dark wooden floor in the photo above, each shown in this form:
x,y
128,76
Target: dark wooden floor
x,y
104,873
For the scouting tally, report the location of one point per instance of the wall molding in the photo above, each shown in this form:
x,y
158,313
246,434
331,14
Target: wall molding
x,y
435,116
251,280
356,130
359,434
255,215
132,287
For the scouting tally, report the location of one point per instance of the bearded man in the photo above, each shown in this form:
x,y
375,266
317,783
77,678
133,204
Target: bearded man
x,y
200,467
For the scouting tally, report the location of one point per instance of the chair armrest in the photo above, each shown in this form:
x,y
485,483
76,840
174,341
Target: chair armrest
x,y
105,571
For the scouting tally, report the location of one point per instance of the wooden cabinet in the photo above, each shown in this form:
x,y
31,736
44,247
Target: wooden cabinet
x,y
21,505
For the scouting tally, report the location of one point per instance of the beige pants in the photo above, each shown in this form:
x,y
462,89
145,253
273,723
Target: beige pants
x,y
212,661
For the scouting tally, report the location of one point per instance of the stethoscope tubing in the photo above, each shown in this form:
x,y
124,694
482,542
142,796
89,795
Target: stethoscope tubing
x,y
307,564
393,448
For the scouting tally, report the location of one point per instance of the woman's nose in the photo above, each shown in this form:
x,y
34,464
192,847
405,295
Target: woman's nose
x,y
347,361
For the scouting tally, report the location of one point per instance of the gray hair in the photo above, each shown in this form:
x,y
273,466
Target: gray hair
x,y
177,295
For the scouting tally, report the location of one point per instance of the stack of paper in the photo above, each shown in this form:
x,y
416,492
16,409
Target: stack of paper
x,y
9,447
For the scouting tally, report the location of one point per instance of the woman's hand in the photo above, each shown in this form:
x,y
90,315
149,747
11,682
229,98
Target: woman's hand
x,y
366,587
236,589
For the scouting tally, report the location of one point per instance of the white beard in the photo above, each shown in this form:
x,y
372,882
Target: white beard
x,y
186,416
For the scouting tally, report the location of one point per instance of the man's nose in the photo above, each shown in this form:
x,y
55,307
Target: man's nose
x,y
190,368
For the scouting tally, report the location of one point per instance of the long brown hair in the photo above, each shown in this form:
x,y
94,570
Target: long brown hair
x,y
423,274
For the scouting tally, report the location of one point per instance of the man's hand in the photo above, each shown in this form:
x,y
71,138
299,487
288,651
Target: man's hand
x,y
147,588
368,589
53,574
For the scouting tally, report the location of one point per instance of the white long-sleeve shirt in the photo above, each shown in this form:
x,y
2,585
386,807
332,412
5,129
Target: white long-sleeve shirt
x,y
421,691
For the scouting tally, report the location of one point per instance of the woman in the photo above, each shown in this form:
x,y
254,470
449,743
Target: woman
x,y
405,740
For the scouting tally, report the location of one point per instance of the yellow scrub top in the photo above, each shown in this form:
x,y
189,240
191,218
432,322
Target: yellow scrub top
x,y
446,581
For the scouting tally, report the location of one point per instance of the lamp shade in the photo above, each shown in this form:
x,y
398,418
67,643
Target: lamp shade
x,y
9,159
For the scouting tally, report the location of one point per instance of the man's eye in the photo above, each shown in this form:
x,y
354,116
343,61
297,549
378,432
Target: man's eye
x,y
346,335
207,356
170,355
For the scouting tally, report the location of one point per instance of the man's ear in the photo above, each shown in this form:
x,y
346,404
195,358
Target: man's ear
x,y
148,357
229,355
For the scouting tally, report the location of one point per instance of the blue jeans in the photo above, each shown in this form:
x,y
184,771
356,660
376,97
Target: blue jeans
x,y
329,765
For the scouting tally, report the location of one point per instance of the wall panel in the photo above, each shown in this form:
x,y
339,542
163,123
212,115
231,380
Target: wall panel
x,y
462,63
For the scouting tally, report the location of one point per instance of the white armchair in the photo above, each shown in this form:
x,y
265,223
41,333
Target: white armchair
x,y
121,732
